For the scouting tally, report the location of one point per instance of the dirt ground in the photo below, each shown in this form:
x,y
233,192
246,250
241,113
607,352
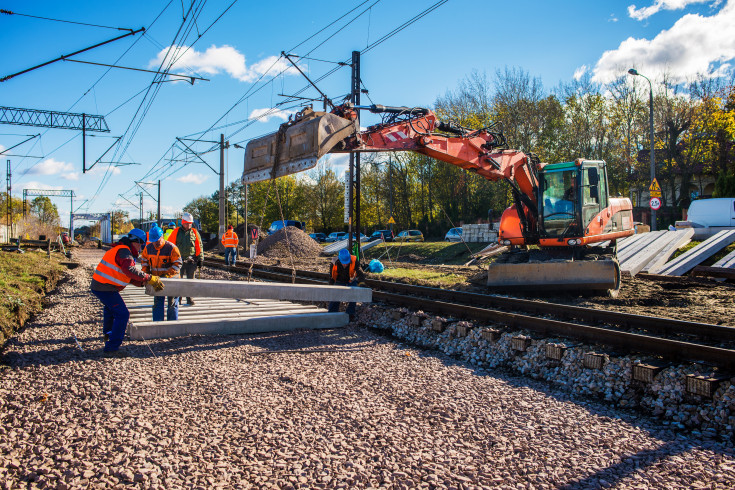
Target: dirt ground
x,y
701,301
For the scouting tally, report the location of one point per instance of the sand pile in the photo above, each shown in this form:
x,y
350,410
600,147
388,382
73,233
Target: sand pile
x,y
301,244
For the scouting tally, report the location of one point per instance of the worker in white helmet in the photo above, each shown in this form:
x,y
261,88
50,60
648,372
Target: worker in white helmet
x,y
189,242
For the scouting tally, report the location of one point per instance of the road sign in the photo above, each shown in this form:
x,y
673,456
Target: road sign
x,y
655,203
391,221
654,188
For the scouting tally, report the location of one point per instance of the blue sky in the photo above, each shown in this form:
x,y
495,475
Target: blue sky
x,y
239,54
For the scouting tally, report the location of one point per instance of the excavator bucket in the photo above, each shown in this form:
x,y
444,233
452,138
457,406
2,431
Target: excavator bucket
x,y
594,276
296,146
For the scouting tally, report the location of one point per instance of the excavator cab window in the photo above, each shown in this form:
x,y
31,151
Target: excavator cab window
x,y
558,201
590,194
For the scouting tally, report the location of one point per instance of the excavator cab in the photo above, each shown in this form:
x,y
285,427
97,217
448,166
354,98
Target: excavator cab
x,y
572,197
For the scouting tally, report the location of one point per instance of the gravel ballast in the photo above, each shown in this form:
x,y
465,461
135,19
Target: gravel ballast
x,y
261,411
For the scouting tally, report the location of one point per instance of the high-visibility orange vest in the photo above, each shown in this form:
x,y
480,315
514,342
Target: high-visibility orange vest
x,y
352,269
108,272
229,239
175,233
163,262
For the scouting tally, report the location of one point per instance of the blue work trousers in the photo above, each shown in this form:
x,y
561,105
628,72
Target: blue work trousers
x,y
115,316
172,312
230,255
334,305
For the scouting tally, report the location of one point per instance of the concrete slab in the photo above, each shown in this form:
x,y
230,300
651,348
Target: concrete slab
x,y
629,241
679,239
641,244
334,248
639,257
687,261
728,261
257,290
239,326
204,313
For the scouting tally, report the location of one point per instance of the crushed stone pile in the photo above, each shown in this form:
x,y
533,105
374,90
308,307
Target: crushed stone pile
x,y
300,244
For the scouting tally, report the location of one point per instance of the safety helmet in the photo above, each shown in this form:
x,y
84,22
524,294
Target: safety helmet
x,y
137,235
187,218
229,227
155,233
344,256
172,224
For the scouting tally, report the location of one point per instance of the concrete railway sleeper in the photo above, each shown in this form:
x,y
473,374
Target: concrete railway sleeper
x,y
458,305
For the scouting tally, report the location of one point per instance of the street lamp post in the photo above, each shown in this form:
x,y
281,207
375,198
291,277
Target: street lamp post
x,y
634,72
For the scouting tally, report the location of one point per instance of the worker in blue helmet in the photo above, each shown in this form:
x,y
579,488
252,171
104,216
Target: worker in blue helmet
x,y
114,272
346,271
168,230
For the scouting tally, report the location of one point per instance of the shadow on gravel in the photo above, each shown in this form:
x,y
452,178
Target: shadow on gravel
x,y
266,343
672,442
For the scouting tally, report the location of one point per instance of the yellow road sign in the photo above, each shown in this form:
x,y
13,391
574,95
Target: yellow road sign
x,y
391,221
655,187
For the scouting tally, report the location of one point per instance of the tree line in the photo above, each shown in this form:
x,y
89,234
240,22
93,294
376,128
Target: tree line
x,y
694,135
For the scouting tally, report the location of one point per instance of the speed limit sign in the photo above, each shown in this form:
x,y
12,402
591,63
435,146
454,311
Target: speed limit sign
x,y
655,203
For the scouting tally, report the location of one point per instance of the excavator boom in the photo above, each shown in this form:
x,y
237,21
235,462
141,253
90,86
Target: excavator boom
x,y
299,144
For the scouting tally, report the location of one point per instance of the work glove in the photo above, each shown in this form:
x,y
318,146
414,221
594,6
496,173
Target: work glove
x,y
155,281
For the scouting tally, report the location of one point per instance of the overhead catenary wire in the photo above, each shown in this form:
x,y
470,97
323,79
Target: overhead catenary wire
x,y
8,12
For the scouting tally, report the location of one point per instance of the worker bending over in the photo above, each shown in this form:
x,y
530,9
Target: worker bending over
x,y
187,239
114,272
346,271
161,258
230,242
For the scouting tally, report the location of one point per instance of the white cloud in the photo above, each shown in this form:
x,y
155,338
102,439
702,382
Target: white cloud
x,y
263,115
693,45
658,5
51,167
222,59
612,18
70,176
579,72
192,178
39,185
101,169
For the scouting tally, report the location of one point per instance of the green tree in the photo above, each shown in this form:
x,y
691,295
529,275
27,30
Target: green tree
x,y
45,210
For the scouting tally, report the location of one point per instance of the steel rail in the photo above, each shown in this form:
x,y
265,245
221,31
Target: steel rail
x,y
705,331
631,342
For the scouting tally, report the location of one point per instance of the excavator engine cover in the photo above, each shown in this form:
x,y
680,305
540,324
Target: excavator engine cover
x,y
601,276
296,146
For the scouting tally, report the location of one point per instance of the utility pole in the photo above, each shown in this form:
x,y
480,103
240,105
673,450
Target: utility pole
x,y
356,99
354,195
9,197
140,223
158,216
222,204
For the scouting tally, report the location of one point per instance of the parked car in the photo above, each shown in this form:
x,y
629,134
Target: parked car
x,y
336,236
386,235
453,235
319,237
277,225
410,236
709,216
363,238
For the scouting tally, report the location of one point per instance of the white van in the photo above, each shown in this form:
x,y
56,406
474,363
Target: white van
x,y
709,216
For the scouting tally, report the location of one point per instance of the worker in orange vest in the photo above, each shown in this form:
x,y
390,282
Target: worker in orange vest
x,y
346,271
230,242
162,258
189,243
114,272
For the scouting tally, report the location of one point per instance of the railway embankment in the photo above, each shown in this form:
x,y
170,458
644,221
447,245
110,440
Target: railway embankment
x,y
692,396
25,280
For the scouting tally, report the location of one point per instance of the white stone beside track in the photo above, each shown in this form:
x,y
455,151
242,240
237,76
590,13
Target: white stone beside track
x,y
235,412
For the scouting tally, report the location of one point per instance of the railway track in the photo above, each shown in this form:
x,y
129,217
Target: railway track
x,y
666,337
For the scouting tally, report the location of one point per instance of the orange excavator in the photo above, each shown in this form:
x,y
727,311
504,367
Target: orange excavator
x,y
561,230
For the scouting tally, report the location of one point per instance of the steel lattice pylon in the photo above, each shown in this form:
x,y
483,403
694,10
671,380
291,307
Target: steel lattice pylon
x,y
53,119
